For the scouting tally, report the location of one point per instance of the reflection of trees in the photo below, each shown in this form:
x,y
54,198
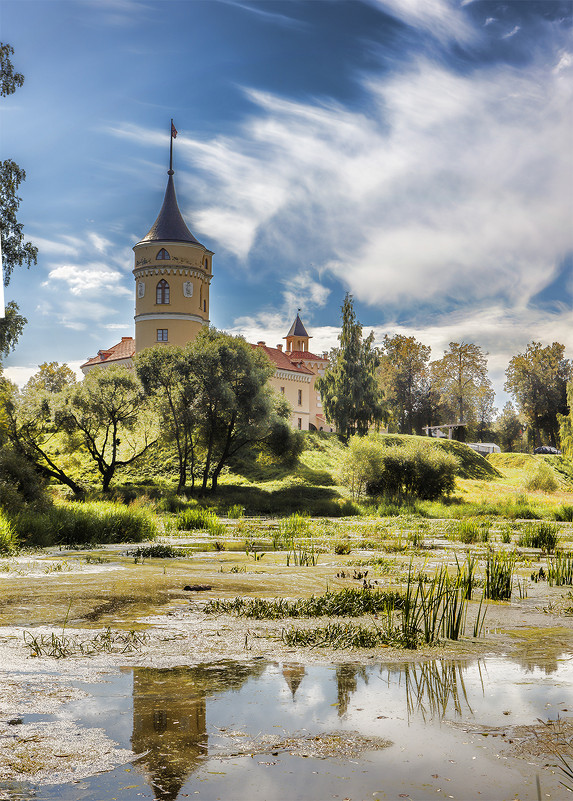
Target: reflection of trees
x,y
433,686
346,684
169,718
541,649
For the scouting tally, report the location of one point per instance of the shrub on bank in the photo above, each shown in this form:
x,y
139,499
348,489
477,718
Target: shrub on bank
x,y
413,470
83,523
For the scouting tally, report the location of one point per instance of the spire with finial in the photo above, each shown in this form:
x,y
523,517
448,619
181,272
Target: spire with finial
x,y
170,225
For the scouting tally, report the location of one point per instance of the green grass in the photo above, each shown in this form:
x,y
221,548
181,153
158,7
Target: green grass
x,y
8,537
84,523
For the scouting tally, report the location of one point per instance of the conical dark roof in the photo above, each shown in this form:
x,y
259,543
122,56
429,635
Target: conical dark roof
x,y
297,329
169,225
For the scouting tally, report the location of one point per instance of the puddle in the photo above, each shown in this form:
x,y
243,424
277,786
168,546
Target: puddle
x,y
279,732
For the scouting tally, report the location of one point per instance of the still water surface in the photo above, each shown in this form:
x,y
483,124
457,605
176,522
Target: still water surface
x,y
241,732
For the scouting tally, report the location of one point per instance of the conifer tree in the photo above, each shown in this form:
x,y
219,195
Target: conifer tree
x,y
350,393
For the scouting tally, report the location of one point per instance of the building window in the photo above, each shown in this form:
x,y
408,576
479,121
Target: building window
x,y
204,305
300,397
163,254
162,335
300,422
282,390
207,264
162,292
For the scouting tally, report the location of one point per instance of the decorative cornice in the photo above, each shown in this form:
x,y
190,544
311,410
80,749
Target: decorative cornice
x,y
293,375
196,272
171,316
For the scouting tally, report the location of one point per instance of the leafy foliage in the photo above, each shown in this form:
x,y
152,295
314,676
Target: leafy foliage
x,y
15,251
537,379
105,411
403,374
350,393
461,376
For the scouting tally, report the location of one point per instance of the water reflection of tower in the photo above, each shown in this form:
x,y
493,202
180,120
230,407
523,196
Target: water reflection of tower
x,y
293,675
170,719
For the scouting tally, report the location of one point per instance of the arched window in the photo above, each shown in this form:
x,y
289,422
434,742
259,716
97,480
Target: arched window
x,y
162,292
207,264
163,254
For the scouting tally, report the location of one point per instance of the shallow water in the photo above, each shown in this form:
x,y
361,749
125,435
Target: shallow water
x,y
281,732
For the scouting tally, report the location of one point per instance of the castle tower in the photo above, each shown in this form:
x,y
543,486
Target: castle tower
x,y
298,337
172,276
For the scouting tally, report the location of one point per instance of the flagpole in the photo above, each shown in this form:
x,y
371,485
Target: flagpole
x,y
171,149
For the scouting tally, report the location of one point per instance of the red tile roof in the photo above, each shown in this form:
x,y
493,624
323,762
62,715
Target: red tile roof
x,y
281,360
297,355
123,350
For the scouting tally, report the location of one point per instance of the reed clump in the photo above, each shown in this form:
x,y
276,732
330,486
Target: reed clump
x,y
560,570
542,535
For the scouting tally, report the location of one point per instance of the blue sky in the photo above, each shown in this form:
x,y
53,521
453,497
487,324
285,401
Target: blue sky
x,y
417,153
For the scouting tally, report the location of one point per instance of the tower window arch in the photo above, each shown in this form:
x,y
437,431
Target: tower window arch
x,y
162,292
163,254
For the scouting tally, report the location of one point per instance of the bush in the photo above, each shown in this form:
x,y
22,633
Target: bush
x,y
414,470
543,479
8,538
83,523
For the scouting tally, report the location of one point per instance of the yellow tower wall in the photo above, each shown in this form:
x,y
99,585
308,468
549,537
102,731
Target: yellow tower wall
x,y
188,272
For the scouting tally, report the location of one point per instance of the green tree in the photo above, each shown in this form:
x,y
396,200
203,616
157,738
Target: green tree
x,y
350,393
404,367
106,411
15,251
537,380
237,405
11,327
509,428
52,377
485,411
461,374
566,425
32,426
165,377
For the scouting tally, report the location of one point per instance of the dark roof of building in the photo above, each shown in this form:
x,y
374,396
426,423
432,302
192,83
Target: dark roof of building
x,y
169,225
297,329
123,350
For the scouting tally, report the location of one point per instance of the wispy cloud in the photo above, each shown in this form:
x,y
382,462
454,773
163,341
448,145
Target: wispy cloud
x,y
264,13
442,18
454,187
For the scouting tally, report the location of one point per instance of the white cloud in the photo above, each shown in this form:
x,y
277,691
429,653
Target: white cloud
x,y
88,279
441,18
454,187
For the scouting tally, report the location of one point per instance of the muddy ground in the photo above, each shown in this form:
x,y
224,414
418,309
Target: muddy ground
x,y
72,597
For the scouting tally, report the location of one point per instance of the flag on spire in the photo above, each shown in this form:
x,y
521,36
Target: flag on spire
x,y
173,130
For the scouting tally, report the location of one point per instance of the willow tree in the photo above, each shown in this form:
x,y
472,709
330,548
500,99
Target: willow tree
x,y
349,389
